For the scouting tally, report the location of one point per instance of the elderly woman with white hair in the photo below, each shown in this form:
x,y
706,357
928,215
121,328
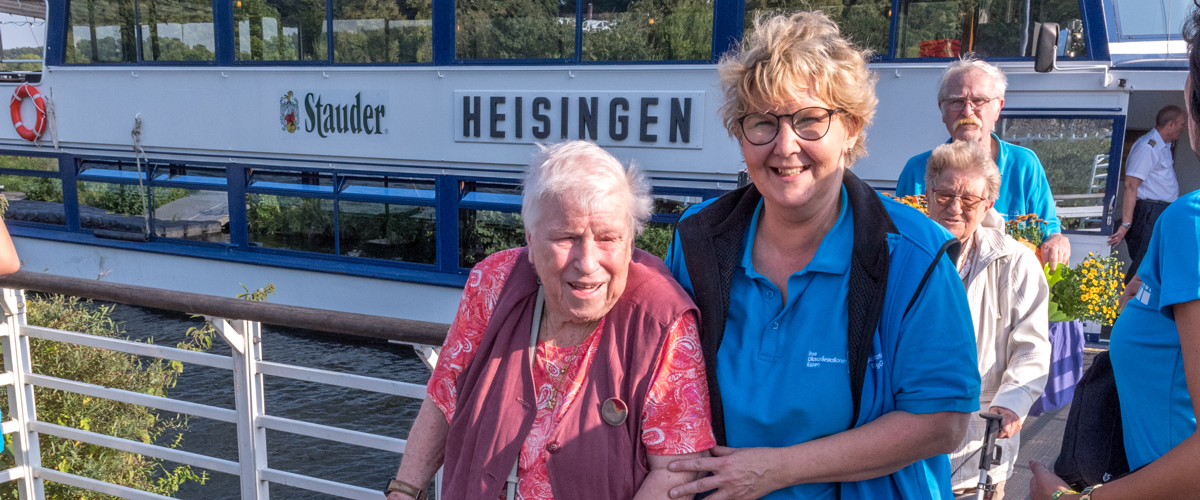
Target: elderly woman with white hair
x,y
1008,295
573,368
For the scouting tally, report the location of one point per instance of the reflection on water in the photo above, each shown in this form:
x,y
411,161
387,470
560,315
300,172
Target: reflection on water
x,y
317,403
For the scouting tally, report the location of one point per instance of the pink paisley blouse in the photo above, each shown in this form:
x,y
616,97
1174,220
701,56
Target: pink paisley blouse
x,y
675,416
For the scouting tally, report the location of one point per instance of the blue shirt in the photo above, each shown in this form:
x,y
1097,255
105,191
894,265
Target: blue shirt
x,y
783,369
1023,185
1156,408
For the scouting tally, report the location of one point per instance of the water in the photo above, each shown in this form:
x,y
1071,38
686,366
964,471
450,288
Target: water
x,y
317,403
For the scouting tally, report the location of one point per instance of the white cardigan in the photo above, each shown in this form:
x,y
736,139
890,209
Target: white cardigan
x,y
1008,296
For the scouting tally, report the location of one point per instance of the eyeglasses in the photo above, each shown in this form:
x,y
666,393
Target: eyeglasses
x,y
957,103
810,124
946,198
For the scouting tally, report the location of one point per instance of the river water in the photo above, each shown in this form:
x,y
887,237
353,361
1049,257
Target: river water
x,y
317,403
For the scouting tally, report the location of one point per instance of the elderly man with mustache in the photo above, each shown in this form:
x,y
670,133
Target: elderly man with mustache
x,y
970,96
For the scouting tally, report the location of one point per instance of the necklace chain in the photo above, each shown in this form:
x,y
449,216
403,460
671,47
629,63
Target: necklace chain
x,y
562,372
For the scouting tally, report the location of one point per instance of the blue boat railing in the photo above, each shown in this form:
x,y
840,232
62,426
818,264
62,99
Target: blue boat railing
x,y
239,324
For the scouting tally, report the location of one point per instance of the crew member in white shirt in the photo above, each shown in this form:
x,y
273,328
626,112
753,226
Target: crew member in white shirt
x,y
1150,185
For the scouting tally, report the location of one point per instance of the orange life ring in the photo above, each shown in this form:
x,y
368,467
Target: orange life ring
x,y
39,103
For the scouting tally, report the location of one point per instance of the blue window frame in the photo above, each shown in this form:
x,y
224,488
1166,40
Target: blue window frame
x,y
420,228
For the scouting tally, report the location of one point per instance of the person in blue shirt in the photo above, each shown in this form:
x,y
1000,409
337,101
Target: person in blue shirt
x,y
838,340
1155,350
970,96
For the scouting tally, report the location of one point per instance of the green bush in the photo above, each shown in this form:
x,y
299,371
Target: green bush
x,y
123,420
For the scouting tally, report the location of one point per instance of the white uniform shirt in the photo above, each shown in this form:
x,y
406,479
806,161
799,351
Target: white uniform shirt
x,y
1150,160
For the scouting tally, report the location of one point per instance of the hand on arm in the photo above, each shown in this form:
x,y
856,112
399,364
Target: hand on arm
x,y
877,448
1173,475
1131,189
1056,250
425,450
661,479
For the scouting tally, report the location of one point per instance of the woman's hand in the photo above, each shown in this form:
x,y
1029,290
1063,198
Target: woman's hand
x,y
1044,483
737,473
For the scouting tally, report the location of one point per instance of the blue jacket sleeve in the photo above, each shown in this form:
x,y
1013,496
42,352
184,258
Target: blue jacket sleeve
x,y
1041,199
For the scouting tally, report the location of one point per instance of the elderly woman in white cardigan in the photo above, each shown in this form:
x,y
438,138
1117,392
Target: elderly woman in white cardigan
x,y
1008,296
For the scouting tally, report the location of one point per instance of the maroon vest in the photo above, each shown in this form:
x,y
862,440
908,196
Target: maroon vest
x,y
590,459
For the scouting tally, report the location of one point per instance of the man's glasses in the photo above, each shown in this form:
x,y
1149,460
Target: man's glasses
x,y
946,198
810,124
959,103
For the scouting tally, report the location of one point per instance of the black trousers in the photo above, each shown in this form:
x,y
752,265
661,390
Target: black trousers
x,y
1145,214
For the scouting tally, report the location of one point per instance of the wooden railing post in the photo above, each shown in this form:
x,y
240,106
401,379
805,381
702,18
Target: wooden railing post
x,y
245,339
18,361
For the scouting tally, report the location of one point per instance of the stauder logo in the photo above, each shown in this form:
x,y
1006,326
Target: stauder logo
x,y
327,116
288,108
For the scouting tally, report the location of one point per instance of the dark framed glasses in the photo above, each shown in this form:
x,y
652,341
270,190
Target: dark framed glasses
x,y
810,124
946,198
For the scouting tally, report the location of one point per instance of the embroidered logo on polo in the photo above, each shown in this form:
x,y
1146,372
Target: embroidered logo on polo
x,y
815,360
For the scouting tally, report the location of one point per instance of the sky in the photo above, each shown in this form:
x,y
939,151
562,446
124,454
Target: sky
x,y
16,32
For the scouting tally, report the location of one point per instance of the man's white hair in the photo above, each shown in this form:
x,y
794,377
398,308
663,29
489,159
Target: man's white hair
x,y
586,176
967,63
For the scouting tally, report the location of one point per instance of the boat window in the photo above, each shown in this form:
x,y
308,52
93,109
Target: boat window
x,y
113,206
396,187
176,30
388,231
23,33
312,182
866,22
290,222
1075,153
1152,18
990,28
30,194
626,30
186,174
395,31
491,192
280,30
523,29
101,31
489,219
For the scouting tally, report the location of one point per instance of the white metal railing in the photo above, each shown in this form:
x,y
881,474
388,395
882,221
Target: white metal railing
x,y
249,415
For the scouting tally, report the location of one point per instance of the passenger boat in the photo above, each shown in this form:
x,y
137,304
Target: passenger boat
x,y
202,145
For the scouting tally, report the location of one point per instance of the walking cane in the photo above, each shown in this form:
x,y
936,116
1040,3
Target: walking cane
x,y
990,455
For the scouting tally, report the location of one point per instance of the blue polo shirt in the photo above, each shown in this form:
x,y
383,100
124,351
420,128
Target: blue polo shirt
x,y
1023,185
783,368
1156,408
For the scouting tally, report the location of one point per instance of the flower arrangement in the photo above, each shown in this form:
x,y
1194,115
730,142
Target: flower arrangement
x,y
916,201
1028,227
1088,291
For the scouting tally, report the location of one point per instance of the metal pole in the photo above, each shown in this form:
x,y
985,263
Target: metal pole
x,y
245,339
26,451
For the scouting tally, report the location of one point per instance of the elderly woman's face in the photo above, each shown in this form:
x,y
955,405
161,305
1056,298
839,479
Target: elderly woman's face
x,y
958,201
582,257
791,172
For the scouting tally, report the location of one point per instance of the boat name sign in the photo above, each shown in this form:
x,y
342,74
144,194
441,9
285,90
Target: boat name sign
x,y
619,119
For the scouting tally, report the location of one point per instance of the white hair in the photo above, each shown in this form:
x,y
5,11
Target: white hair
x,y
969,63
588,177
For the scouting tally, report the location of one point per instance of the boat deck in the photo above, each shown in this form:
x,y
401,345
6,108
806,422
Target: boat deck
x,y
1041,439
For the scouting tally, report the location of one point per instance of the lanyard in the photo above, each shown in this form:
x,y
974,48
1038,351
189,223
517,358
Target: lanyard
x,y
510,485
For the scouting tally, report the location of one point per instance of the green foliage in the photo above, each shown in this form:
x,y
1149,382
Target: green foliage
x,y
35,188
383,31
384,231
656,238
514,29
989,28
1052,278
109,369
484,232
34,53
299,29
259,295
122,198
865,22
